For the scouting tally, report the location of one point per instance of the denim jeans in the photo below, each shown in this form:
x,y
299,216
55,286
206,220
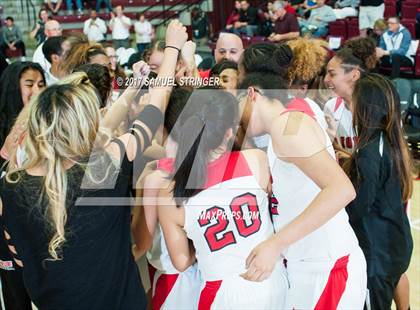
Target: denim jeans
x,y
70,4
107,4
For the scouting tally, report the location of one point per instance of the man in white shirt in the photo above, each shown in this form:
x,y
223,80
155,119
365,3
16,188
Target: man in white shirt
x,y
143,29
95,28
120,26
52,29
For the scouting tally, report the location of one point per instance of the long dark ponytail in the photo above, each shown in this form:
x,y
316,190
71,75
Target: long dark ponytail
x,y
377,110
210,114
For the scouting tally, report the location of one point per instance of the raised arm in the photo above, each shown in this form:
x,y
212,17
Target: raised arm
x,y
171,218
145,126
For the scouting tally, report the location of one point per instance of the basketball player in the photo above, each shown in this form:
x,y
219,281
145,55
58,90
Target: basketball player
x,y
326,268
219,202
171,289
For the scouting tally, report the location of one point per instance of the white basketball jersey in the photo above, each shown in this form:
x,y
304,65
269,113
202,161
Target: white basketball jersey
x,y
293,192
228,218
158,255
345,136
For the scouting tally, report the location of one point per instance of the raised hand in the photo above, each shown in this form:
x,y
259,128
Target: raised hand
x,y
176,34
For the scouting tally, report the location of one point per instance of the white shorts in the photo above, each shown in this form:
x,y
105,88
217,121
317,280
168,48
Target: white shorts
x,y
325,286
176,291
345,12
368,15
237,293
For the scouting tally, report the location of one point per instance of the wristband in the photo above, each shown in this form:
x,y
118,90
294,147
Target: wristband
x,y
170,46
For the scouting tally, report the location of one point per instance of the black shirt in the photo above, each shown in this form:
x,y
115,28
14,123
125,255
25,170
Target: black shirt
x,y
371,2
97,270
377,214
250,16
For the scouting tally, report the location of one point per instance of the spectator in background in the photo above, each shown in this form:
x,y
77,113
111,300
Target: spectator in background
x,y
38,33
12,36
248,20
346,8
286,26
143,29
79,5
393,47
120,26
318,21
229,46
378,30
53,5
52,29
107,5
53,52
201,26
95,28
289,8
369,12
233,17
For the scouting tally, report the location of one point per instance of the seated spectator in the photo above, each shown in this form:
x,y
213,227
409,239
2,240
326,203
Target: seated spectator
x,y
95,28
201,26
144,30
38,33
248,20
79,5
346,8
378,30
289,7
394,46
53,5
53,52
107,5
12,37
267,19
286,26
234,16
318,21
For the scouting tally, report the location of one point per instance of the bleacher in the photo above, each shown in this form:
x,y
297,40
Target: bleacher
x,y
156,11
348,28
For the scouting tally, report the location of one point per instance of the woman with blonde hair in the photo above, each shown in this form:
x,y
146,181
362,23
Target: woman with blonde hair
x,y
65,210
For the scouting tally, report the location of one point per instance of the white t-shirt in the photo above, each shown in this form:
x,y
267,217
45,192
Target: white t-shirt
x,y
119,30
50,79
40,58
143,32
95,30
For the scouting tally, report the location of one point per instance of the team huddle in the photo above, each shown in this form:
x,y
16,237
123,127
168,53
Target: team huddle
x,y
263,199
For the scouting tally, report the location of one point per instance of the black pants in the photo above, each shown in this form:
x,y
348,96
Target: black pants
x,y
381,291
19,45
396,61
